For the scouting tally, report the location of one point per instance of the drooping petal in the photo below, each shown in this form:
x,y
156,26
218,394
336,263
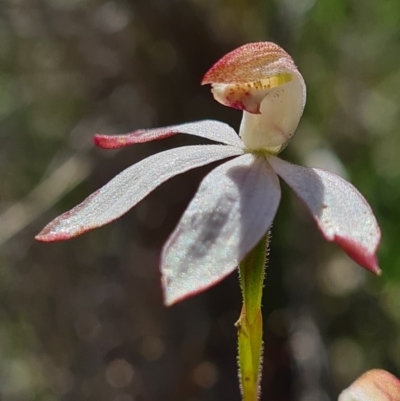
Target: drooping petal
x,y
374,385
232,209
341,212
130,187
209,129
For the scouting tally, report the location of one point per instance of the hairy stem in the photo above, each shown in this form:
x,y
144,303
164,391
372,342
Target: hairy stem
x,y
249,325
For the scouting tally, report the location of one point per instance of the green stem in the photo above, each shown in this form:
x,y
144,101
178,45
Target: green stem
x,y
249,325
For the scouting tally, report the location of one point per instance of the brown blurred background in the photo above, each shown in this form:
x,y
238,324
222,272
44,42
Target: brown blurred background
x,y
83,319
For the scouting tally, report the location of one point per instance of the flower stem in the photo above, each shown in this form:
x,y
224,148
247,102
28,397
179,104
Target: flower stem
x,y
250,325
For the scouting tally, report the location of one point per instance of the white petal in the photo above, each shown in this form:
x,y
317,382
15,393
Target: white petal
x,y
209,129
233,208
341,212
130,187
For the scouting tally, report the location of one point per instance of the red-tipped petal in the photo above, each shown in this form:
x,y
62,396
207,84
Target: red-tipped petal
x,y
209,129
374,385
139,136
129,187
232,209
341,212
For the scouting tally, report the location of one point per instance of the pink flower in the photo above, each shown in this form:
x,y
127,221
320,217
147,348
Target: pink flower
x,y
237,201
374,385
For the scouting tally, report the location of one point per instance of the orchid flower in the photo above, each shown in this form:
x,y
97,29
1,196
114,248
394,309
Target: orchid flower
x,y
374,385
227,221
236,202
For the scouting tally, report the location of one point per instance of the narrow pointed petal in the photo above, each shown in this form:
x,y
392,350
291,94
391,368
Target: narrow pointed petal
x,y
209,129
341,212
374,385
232,209
130,187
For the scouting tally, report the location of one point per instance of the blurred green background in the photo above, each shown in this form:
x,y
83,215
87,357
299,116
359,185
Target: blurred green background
x,y
83,319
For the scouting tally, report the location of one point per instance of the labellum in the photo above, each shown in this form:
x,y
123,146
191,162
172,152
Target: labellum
x,y
262,80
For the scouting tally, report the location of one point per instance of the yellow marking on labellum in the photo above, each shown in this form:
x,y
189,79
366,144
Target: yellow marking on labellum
x,y
271,82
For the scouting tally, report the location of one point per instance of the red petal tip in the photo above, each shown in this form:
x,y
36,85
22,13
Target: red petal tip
x,y
132,138
359,254
51,237
108,142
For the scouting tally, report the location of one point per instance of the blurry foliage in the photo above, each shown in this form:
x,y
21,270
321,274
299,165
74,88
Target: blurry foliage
x,y
83,320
